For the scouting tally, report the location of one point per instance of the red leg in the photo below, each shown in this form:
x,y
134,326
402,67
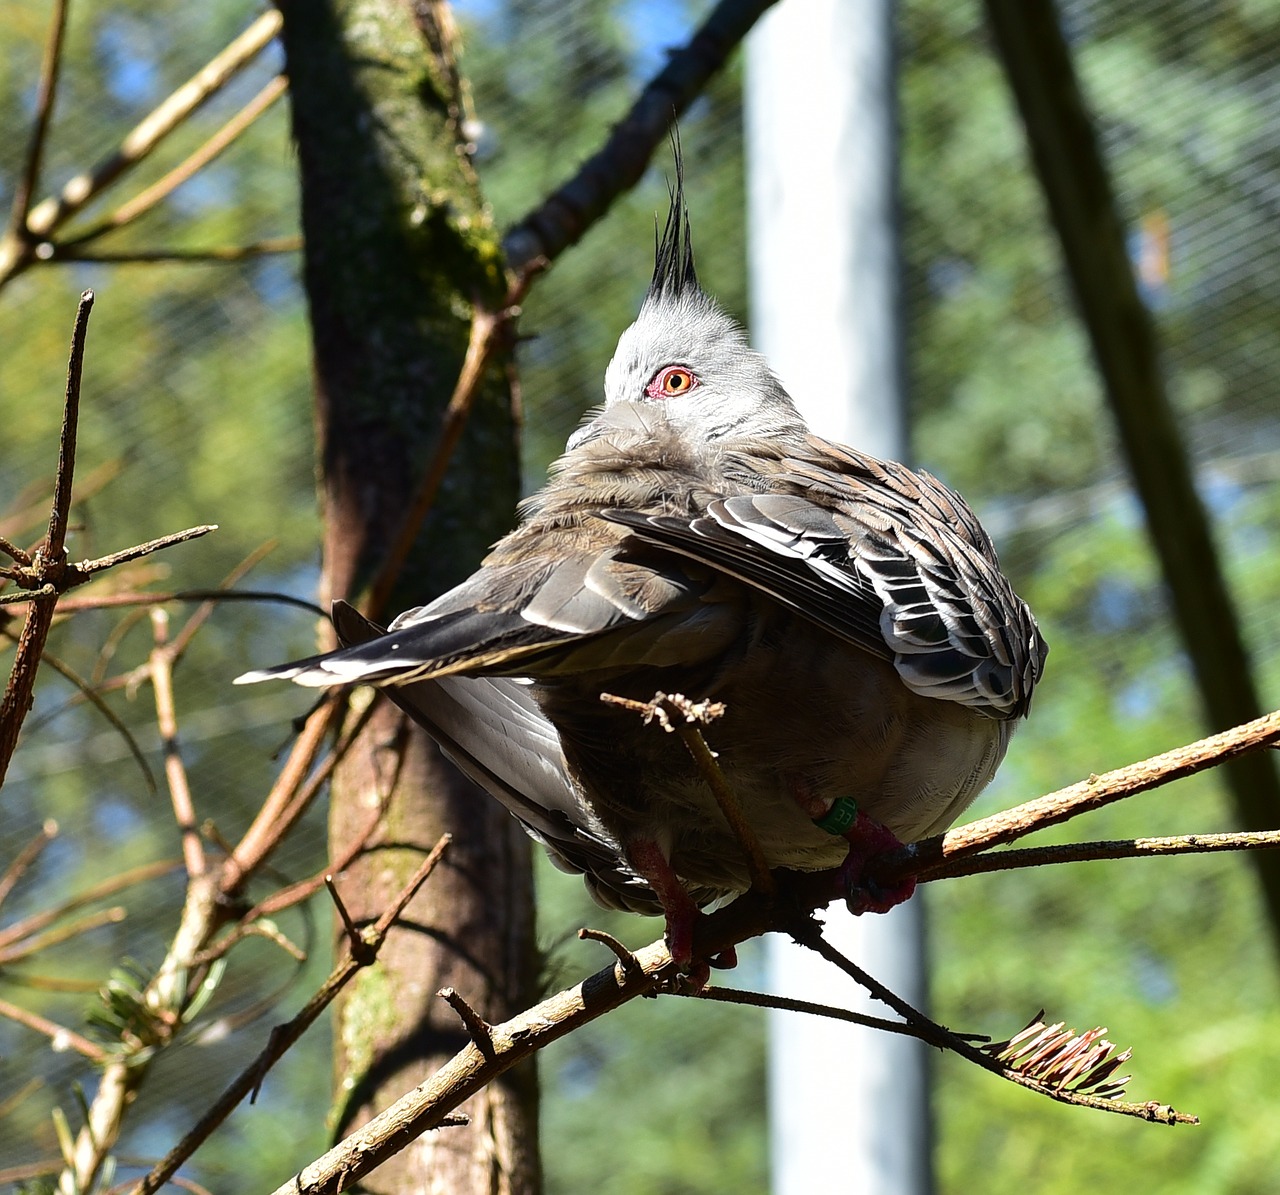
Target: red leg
x,y
646,856
868,839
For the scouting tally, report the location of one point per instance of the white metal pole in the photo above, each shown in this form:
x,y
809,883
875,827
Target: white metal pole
x,y
848,1106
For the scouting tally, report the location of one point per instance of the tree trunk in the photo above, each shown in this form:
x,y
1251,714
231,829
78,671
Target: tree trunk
x,y
397,247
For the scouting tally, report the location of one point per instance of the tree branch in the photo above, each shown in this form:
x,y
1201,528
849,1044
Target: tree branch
x,y
19,248
564,217
283,1036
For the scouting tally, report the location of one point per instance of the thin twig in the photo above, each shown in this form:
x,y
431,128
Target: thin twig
x,y
108,887
1123,848
291,793
26,857
29,946
626,959
786,1004
55,539
294,893
14,552
46,93
214,254
283,1036
85,690
662,708
807,932
61,1037
488,329
936,856
146,199
86,568
161,668
18,253
354,943
478,1029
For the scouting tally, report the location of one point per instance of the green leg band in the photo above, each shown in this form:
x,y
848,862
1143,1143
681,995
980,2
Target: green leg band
x,y
839,818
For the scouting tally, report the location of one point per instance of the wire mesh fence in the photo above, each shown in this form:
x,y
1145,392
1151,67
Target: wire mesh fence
x,y
197,409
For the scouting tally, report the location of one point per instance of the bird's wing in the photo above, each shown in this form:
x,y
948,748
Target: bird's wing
x,y
550,604
493,730
888,560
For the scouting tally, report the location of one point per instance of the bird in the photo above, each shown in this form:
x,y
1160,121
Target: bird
x,y
848,613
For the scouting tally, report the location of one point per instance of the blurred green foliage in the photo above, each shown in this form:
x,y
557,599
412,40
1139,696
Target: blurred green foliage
x,y
197,395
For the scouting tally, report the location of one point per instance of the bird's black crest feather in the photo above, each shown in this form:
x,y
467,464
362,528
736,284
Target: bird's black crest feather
x,y
673,272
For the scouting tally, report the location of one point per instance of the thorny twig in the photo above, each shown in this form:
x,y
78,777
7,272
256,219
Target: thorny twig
x,y
46,573
47,564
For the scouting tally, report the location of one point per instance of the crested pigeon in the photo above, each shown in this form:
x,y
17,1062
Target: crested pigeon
x,y
695,537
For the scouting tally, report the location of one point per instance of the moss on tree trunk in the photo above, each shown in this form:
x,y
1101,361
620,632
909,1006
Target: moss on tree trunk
x,y
398,246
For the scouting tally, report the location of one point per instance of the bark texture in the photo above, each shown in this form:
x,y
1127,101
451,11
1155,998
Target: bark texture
x,y
397,248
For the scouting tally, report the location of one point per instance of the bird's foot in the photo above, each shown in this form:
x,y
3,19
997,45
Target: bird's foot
x,y
682,915
867,840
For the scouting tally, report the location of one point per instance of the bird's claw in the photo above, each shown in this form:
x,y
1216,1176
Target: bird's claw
x,y
868,840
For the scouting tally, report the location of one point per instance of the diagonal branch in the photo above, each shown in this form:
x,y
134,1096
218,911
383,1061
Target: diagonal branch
x,y
46,93
283,1036
933,857
808,933
21,247
146,199
564,217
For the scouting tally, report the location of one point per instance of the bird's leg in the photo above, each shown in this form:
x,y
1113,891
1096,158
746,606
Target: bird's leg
x,y
682,915
867,838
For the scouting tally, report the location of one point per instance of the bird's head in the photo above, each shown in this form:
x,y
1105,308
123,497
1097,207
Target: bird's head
x,y
685,354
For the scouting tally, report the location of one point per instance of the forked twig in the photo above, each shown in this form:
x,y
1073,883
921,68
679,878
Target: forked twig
x,y
48,562
21,247
283,1036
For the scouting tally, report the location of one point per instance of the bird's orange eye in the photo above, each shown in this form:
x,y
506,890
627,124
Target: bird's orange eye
x,y
669,382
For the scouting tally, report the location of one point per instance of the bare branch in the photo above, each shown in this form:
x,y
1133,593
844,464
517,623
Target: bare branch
x,y
46,93
807,932
934,856
94,698
161,668
86,568
225,253
687,714
59,1036
48,563
146,199
489,330
26,857
18,252
786,1004
1124,848
564,217
283,1036
37,921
